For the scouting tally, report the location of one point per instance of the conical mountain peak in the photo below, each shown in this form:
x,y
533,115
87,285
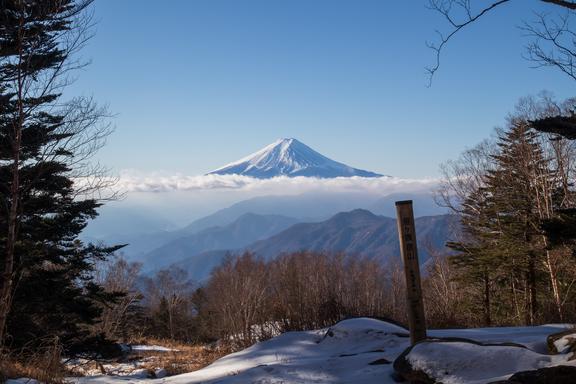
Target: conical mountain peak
x,y
289,157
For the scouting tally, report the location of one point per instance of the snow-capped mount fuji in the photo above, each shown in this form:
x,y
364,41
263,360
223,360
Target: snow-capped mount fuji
x,y
289,157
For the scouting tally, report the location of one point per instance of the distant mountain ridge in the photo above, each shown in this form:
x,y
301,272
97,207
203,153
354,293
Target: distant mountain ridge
x,y
358,232
243,231
308,208
289,157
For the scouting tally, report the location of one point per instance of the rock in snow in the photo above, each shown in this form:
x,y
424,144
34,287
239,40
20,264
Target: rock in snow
x,y
553,375
358,351
562,342
463,361
289,157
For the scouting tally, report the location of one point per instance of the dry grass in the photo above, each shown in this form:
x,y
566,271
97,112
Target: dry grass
x,y
43,364
185,357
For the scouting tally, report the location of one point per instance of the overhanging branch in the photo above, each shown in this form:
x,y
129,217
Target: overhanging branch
x,y
445,8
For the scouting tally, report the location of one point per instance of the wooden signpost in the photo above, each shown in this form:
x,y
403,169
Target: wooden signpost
x,y
409,251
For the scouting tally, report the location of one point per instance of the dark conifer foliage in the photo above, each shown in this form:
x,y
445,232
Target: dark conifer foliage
x,y
561,230
475,252
514,194
46,286
561,125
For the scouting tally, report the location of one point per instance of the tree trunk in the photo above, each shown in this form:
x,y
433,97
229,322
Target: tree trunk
x,y
515,298
7,281
531,301
555,285
487,310
7,276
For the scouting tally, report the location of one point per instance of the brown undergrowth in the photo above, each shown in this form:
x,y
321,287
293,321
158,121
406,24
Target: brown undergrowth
x,y
45,364
183,359
41,363
190,359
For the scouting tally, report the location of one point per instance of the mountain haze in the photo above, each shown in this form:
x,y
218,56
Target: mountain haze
x,y
243,231
358,232
306,207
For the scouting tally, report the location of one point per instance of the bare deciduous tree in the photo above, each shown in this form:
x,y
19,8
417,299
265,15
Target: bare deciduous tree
x,y
118,276
168,296
552,43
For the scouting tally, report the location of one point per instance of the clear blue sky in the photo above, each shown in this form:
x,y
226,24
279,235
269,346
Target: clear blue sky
x,y
197,84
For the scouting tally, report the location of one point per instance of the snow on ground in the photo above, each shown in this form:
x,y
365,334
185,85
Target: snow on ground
x,y
135,368
481,364
361,351
533,338
156,348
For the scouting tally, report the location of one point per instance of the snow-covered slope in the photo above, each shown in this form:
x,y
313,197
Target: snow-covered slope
x,y
289,157
361,351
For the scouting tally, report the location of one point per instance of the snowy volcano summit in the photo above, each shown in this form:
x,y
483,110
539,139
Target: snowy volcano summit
x,y
289,157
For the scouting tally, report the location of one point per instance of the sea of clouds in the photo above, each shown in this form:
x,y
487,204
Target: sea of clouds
x,y
130,181
179,199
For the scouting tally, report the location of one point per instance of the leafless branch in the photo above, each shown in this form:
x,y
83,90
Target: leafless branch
x,y
554,43
553,38
459,15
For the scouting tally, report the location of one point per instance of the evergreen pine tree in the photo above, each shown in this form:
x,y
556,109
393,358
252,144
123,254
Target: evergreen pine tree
x,y
503,219
46,287
513,192
474,252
